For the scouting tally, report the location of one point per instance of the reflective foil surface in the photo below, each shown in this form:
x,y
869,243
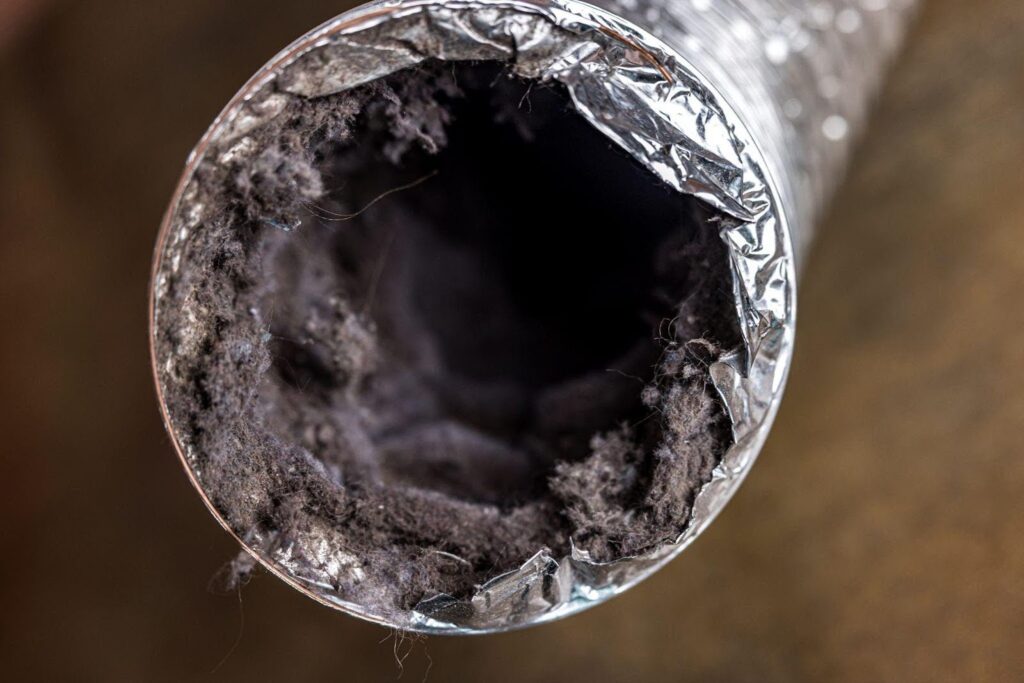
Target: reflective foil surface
x,y
749,106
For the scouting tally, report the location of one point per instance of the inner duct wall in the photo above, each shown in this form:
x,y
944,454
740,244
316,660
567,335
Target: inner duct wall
x,y
447,324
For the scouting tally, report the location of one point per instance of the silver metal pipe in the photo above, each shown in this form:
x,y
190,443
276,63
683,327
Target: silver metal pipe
x,y
748,105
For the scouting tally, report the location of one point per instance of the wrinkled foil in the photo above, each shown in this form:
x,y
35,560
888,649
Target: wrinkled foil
x,y
748,105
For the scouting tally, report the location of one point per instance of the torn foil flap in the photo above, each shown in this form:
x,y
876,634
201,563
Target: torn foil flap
x,y
748,105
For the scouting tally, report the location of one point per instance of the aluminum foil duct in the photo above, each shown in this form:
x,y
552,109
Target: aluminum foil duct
x,y
748,105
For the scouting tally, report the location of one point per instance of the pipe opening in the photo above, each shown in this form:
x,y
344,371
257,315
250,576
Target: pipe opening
x,y
476,329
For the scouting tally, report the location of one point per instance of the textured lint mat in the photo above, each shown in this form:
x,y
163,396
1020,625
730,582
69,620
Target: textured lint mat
x,y
440,323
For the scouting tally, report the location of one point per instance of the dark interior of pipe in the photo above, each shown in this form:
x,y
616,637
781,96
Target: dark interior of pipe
x,y
487,332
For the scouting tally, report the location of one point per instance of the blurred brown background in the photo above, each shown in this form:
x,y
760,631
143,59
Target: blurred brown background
x,y
878,538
